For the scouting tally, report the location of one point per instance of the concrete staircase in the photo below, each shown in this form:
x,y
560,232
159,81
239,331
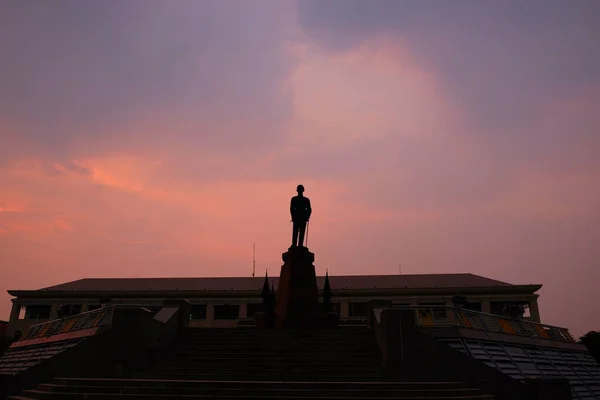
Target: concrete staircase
x,y
344,354
245,363
97,389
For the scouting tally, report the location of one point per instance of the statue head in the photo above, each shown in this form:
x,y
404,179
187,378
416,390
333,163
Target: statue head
x,y
300,189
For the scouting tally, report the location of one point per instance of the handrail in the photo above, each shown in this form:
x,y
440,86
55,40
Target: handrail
x,y
444,316
85,320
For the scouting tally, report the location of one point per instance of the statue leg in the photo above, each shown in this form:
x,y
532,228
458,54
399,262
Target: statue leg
x,y
302,229
295,234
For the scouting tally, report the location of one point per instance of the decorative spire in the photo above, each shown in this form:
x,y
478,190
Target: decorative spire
x,y
327,289
266,291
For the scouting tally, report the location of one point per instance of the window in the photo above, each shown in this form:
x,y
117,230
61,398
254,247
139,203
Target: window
x,y
336,308
37,311
227,311
358,309
496,307
438,310
254,308
473,306
198,311
67,310
511,309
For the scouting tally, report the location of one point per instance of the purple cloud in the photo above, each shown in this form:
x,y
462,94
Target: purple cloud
x,y
72,70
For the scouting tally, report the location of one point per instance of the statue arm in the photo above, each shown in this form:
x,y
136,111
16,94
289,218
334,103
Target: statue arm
x,y
292,208
308,209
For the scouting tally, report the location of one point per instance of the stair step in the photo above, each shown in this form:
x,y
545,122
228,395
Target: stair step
x,y
253,392
252,364
263,371
102,396
250,384
265,377
262,362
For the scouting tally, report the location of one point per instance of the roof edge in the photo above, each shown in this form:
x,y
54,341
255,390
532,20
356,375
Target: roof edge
x,y
524,289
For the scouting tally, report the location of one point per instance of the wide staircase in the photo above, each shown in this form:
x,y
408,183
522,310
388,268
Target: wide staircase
x,y
251,354
245,363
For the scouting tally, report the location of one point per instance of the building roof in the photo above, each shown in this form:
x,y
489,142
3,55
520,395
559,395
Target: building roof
x,y
356,282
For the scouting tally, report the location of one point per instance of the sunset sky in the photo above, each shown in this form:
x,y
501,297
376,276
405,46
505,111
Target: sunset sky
x,y
166,137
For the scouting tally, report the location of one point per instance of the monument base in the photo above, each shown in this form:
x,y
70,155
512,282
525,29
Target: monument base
x,y
297,303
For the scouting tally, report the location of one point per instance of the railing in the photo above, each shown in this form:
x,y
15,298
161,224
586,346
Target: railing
x,y
440,316
73,323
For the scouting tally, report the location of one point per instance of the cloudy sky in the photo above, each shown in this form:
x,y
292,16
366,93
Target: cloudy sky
x,y
165,137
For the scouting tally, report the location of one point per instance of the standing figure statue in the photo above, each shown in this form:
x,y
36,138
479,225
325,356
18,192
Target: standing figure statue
x,y
300,210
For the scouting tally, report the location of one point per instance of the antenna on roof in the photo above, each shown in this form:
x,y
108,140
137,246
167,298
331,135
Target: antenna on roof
x,y
138,272
253,259
399,269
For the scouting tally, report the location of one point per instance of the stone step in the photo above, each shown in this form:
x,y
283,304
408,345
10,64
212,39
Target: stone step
x,y
321,343
336,385
270,358
260,364
273,350
252,342
93,389
291,348
253,392
228,359
263,367
266,350
338,338
341,338
39,395
278,332
260,367
233,351
264,375
342,335
267,378
278,341
224,364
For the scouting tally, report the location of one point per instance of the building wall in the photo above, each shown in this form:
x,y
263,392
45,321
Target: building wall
x,y
3,335
345,305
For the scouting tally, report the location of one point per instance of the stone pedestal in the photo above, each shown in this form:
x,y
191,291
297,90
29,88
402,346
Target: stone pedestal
x,y
297,304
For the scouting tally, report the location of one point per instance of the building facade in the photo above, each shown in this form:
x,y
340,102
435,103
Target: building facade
x,y
222,302
3,335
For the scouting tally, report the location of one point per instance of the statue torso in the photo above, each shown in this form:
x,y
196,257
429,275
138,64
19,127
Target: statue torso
x,y
300,207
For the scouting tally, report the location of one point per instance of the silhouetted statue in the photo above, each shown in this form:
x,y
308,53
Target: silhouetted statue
x,y
300,210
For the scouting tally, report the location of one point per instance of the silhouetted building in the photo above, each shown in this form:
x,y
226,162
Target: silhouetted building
x,y
221,302
3,330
